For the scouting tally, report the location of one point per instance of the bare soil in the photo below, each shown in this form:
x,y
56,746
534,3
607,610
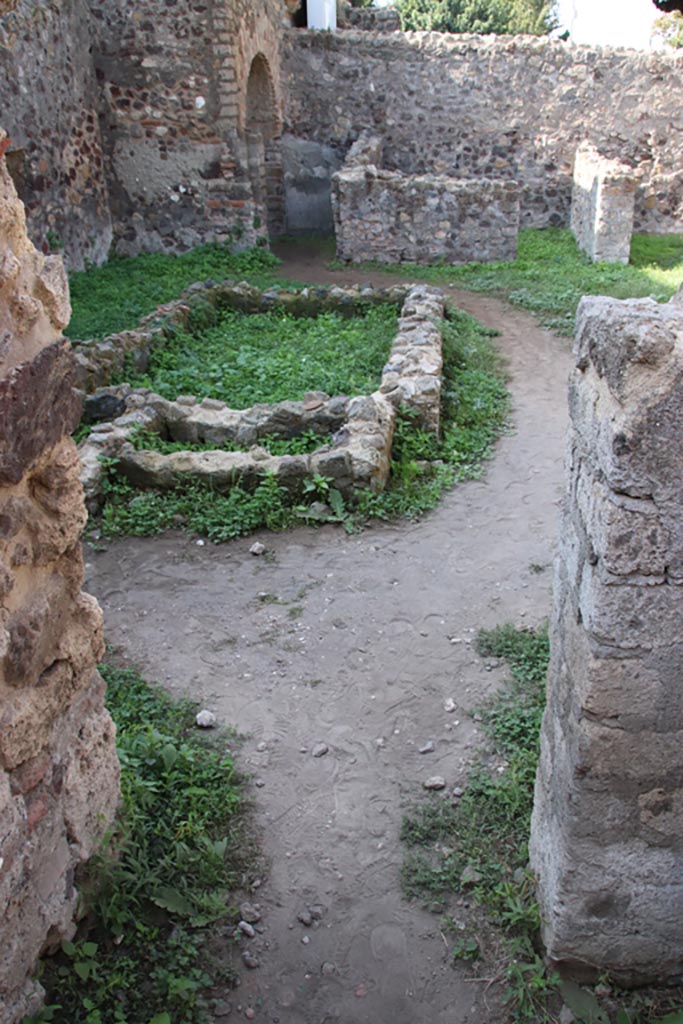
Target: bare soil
x,y
355,642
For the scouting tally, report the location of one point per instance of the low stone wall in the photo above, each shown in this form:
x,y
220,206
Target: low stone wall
x,y
58,766
394,218
362,427
603,202
98,361
607,830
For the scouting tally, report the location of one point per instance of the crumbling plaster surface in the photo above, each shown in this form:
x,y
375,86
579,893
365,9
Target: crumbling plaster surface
x,y
58,766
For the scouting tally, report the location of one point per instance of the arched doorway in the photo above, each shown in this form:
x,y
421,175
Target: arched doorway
x,y
262,134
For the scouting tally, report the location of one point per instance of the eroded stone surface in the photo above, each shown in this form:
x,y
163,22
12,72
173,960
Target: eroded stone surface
x,y
607,843
603,202
58,766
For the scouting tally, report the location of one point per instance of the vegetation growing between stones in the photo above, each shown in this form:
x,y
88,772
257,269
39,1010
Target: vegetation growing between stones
x,y
143,952
303,444
474,413
244,358
550,274
115,296
476,847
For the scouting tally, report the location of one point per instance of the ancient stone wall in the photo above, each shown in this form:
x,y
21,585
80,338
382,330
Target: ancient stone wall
x,y
58,767
49,100
607,831
505,107
603,195
396,218
175,119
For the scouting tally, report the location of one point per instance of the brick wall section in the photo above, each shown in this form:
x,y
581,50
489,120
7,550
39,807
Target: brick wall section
x,y
49,100
174,79
607,831
603,195
505,107
58,767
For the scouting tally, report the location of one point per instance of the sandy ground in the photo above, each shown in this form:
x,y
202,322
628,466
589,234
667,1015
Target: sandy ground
x,y
356,643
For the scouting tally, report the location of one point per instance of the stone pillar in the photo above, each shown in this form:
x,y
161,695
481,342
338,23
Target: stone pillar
x,y
607,829
603,202
58,766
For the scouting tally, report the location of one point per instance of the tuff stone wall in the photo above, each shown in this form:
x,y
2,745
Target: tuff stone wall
x,y
58,766
607,830
603,196
394,218
510,108
49,98
139,114
175,118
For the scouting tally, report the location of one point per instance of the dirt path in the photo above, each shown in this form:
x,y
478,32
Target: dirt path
x,y
355,642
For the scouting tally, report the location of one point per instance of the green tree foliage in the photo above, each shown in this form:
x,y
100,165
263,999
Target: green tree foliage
x,y
506,17
670,29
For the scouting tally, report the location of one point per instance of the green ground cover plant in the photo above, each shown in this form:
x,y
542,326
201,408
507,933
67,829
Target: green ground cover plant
x,y
477,847
306,442
115,296
475,407
162,880
550,274
244,358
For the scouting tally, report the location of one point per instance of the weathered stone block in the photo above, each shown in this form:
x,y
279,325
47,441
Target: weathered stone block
x,y
607,842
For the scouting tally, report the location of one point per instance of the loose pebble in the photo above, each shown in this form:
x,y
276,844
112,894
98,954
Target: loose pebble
x,y
306,939
435,782
205,719
361,991
305,917
257,549
450,705
427,748
320,749
250,1014
250,960
328,969
250,913
246,929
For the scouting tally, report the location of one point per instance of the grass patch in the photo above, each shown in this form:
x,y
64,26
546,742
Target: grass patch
x,y
550,274
474,413
115,296
478,847
305,443
242,359
141,953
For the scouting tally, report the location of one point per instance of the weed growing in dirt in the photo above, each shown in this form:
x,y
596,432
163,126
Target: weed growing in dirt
x,y
196,508
474,413
244,358
550,274
164,877
477,846
114,296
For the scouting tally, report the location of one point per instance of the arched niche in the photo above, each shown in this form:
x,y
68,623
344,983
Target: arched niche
x,y
262,131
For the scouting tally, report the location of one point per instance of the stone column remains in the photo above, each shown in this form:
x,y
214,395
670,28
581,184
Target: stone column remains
x,y
607,829
603,205
58,766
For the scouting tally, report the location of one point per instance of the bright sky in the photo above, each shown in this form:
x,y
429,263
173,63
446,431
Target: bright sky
x,y
609,22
